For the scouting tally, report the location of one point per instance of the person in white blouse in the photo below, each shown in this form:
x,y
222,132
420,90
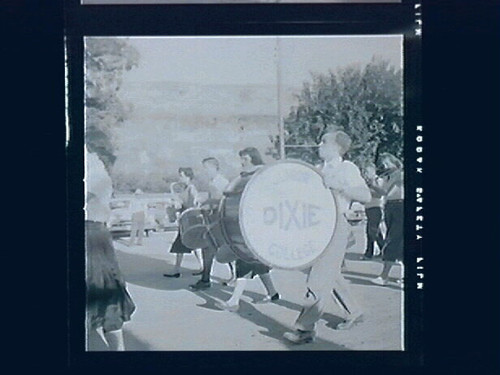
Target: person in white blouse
x,y
324,279
108,303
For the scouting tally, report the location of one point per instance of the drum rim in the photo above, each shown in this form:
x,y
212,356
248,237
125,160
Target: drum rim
x,y
240,214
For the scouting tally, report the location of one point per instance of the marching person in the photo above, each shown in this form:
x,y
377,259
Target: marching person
x,y
393,185
373,210
108,303
216,187
251,161
187,196
138,210
346,184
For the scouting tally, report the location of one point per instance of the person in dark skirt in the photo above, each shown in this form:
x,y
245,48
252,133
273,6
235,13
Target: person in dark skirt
x,y
251,161
216,186
393,185
188,197
108,303
373,210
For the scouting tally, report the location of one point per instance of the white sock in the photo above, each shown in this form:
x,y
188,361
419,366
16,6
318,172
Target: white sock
x,y
239,288
115,340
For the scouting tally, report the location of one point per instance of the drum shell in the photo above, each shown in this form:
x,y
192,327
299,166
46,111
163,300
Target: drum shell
x,y
192,228
230,222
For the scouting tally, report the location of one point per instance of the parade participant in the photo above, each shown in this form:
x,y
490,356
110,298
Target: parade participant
x,y
138,219
108,304
216,187
373,210
187,197
393,185
251,161
346,184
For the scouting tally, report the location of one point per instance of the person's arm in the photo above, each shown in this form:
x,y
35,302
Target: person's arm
x,y
347,180
376,185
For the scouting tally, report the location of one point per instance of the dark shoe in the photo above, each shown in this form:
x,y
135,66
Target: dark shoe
x,y
366,257
268,299
176,275
198,273
299,337
200,285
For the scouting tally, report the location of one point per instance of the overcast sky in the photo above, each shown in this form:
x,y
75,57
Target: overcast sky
x,y
253,60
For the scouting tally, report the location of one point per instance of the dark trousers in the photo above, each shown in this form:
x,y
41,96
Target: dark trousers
x,y
394,240
208,255
373,233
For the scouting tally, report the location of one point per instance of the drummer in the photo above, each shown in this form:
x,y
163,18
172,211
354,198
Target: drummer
x,y
251,161
345,181
216,187
188,196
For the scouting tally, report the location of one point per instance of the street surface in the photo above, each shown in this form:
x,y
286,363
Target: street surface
x,y
169,316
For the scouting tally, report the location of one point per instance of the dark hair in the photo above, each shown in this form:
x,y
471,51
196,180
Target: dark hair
x,y
188,172
254,154
394,160
211,160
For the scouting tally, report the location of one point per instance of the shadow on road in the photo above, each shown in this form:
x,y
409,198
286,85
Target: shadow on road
x,y
273,328
148,272
359,281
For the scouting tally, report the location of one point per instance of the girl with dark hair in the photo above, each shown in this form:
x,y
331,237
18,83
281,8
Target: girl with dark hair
x,y
393,187
188,197
373,210
251,161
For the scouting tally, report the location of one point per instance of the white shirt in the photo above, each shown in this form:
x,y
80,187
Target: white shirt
x,y
342,174
217,186
98,189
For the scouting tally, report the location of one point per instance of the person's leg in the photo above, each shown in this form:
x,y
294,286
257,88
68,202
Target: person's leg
x,y
208,261
178,261
320,279
199,257
393,247
272,294
371,229
232,304
133,231
208,254
140,230
115,340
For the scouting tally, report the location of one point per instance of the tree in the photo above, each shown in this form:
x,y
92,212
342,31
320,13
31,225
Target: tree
x,y
366,102
105,61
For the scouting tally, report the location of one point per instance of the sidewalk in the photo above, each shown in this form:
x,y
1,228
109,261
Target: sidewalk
x,y
170,316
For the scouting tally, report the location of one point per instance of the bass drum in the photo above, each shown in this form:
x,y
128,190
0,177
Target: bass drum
x,y
281,215
192,227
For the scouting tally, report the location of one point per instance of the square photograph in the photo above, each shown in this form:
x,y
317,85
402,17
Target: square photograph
x,y
244,193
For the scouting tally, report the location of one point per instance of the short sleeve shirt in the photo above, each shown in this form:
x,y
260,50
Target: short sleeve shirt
x,y
347,174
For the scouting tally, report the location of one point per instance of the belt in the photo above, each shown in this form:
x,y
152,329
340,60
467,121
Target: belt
x,y
395,201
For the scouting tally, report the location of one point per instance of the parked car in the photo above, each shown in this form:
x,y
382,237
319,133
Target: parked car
x,y
156,215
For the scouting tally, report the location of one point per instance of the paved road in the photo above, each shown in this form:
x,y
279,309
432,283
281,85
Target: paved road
x,y
171,317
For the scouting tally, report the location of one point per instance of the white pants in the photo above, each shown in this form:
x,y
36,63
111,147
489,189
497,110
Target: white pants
x,y
324,280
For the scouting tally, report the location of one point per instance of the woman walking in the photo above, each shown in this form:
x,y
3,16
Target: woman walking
x,y
108,303
188,197
393,186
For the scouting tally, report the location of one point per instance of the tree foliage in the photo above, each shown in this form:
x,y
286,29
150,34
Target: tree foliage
x,y
105,61
366,102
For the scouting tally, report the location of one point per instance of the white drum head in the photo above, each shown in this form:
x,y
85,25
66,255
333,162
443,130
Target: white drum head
x,y
287,215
